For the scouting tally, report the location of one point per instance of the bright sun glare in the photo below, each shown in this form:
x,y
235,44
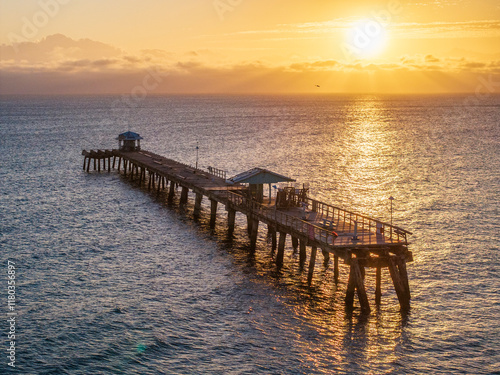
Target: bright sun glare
x,y
367,38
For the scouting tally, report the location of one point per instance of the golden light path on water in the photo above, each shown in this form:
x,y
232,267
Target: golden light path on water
x,y
361,157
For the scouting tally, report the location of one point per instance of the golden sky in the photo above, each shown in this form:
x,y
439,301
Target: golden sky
x,y
249,46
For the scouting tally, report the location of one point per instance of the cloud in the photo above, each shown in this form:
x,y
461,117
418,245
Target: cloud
x,y
459,29
431,59
472,28
60,65
57,47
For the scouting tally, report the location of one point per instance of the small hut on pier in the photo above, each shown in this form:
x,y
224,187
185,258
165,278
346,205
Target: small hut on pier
x,y
256,178
129,141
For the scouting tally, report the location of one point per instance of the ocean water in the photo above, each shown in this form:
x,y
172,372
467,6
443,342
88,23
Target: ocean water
x,y
110,279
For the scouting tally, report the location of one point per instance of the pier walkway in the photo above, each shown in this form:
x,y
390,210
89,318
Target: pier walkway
x,y
358,240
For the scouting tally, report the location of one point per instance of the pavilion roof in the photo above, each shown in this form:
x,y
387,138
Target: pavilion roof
x,y
260,176
129,136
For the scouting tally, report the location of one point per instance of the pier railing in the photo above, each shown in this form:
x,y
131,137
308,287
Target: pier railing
x,y
217,172
344,218
312,231
335,219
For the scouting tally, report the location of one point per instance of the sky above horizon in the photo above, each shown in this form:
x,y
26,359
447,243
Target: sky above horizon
x,y
243,46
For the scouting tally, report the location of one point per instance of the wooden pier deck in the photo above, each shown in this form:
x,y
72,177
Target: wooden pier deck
x,y
358,240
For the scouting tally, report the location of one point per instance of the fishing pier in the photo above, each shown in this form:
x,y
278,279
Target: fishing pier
x,y
357,240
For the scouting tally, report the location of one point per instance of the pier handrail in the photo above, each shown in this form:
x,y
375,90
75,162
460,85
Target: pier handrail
x,y
365,223
217,172
311,230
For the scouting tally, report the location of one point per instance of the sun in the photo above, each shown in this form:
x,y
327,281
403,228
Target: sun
x,y
367,38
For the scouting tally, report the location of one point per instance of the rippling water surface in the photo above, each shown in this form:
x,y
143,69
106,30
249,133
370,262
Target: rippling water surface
x,y
112,280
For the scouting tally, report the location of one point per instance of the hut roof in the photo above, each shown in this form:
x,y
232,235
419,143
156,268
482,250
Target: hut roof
x,y
129,136
260,176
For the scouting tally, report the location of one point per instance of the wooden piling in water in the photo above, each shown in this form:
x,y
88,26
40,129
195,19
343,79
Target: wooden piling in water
x,y
356,283
231,218
158,184
184,196
213,213
312,262
171,192
281,249
253,234
302,254
326,257
378,285
197,205
399,284
359,276
249,224
336,269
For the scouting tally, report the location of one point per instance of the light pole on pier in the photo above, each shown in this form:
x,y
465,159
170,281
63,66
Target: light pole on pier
x,y
391,198
197,150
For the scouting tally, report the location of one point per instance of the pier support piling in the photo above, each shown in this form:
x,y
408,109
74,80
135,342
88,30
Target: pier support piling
x,y
197,205
231,218
302,254
399,284
184,196
254,234
336,269
326,257
158,184
272,232
171,192
312,262
281,250
213,213
249,224
378,282
356,282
